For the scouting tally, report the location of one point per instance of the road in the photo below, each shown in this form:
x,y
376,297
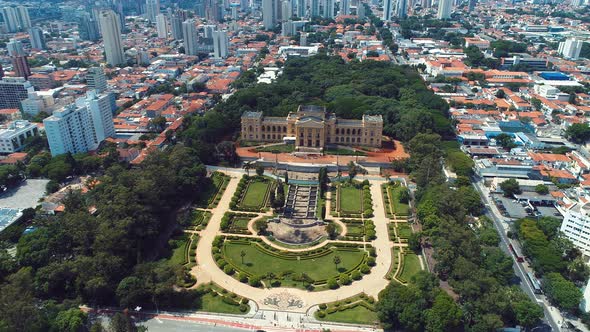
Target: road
x,y
520,270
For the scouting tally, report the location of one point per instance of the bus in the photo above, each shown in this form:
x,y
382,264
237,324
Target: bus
x,y
534,283
516,254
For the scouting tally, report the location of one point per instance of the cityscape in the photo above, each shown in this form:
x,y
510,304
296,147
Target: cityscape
x,y
294,165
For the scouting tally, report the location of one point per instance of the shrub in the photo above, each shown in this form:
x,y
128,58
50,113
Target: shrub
x,y
345,279
332,283
321,314
254,281
365,269
243,308
242,277
371,261
323,306
356,275
229,270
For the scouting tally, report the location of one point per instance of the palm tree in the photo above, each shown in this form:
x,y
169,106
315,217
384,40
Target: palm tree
x,y
248,166
242,254
336,261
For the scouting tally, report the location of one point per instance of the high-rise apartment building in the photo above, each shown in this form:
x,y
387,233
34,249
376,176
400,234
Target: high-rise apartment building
x,y
18,58
190,37
286,12
13,138
111,35
152,9
328,8
570,48
37,39
162,26
96,79
88,27
220,44
15,48
269,14
444,9
344,7
314,8
300,8
13,90
80,127
176,26
22,14
387,9
360,10
401,8
471,5
10,19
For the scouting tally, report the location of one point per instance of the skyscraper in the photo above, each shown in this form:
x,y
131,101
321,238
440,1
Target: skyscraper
x,y
300,8
162,26
37,39
176,26
401,9
152,9
387,8
96,79
88,27
315,8
220,44
22,14
328,8
360,10
18,58
286,13
269,18
80,127
471,5
190,37
444,9
111,35
344,7
10,19
571,48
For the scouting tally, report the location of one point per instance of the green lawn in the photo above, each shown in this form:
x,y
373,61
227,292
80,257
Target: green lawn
x,y
255,194
356,315
178,256
212,303
344,152
411,266
258,262
350,200
281,148
355,229
240,223
404,230
401,209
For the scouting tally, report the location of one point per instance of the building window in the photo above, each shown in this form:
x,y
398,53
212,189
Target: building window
x,y
250,128
262,136
337,131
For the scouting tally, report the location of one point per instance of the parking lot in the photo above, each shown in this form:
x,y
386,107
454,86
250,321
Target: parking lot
x,y
25,196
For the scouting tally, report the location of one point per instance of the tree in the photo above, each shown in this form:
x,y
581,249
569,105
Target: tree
x,y
248,166
527,313
537,104
286,177
226,151
500,93
506,141
242,255
352,170
72,320
259,170
261,225
578,133
562,292
510,187
414,242
541,189
336,261
331,230
445,314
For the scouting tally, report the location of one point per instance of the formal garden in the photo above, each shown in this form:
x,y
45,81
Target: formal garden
x,y
182,252
399,231
352,199
396,199
252,194
216,299
359,309
359,230
254,262
236,222
214,190
405,264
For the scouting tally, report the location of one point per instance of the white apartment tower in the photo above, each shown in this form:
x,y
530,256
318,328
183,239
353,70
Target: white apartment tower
x,y
162,26
570,48
220,44
96,79
387,9
37,39
401,8
152,9
190,37
22,13
328,8
110,26
444,9
80,127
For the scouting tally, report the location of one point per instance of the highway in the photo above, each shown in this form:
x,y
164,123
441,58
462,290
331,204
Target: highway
x,y
520,271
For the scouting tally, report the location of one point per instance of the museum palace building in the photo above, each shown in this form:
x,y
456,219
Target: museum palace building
x,y
312,127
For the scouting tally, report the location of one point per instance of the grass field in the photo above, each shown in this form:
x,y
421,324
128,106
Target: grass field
x,y
178,256
401,209
355,228
212,303
350,200
255,195
404,230
411,266
240,223
257,262
356,315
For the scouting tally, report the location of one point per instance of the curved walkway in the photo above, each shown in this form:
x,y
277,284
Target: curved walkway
x,y
207,270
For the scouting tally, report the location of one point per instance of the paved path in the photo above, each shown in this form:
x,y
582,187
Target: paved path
x,y
207,270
